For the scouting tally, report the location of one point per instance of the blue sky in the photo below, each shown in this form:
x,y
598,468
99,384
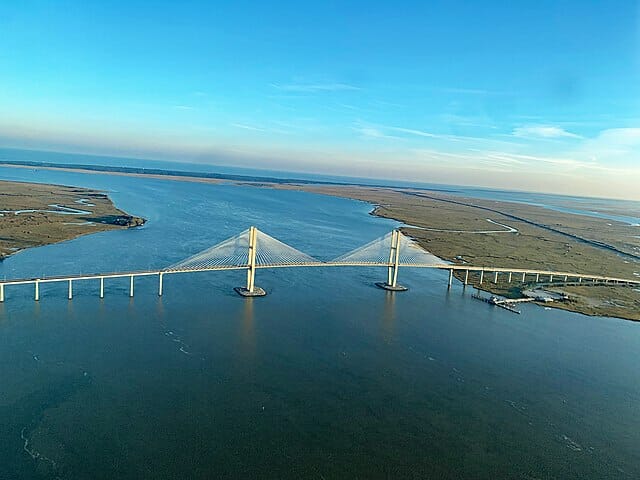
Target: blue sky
x,y
543,96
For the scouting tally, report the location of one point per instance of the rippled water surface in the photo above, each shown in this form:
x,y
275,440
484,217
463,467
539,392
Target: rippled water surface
x,y
326,377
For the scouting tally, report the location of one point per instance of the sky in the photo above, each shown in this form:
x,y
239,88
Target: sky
x,y
538,96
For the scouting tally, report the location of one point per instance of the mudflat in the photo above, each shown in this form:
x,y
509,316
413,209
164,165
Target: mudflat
x,y
33,215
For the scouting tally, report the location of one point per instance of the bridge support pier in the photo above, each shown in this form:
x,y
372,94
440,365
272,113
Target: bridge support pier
x,y
37,293
70,296
160,284
450,277
1,292
481,276
131,286
101,287
466,278
394,263
251,290
495,277
524,275
537,277
509,280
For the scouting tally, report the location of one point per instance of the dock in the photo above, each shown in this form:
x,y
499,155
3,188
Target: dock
x,y
505,303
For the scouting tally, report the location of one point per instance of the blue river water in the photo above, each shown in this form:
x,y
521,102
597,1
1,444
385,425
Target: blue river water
x,y
325,377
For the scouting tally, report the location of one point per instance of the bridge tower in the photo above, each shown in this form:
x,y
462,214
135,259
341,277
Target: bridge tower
x,y
251,290
393,265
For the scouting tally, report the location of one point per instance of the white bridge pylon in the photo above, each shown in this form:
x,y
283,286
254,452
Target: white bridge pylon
x,y
393,250
252,249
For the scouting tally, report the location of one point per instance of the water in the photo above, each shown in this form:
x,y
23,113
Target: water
x,y
325,377
625,211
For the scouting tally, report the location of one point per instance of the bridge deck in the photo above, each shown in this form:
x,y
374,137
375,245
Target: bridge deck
x,y
252,250
470,268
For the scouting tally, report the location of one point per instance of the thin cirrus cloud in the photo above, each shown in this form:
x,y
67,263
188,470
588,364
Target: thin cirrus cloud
x,y
372,132
260,129
380,131
315,87
543,131
248,127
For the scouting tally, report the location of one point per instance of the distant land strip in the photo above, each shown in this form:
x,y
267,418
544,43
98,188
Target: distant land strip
x,y
187,175
594,243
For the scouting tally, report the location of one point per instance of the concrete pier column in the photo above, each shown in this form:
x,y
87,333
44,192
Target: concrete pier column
x,y
131,286
450,277
393,265
537,277
1,292
566,278
481,276
251,290
509,279
37,293
550,278
101,287
396,260
579,279
495,277
251,271
70,289
160,284
391,258
524,274
466,277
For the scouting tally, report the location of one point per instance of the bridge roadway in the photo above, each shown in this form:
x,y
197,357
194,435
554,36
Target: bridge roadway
x,y
552,277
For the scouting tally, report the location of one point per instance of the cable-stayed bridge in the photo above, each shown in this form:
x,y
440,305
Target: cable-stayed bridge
x,y
253,249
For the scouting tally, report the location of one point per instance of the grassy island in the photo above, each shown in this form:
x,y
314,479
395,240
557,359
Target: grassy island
x,y
33,214
506,234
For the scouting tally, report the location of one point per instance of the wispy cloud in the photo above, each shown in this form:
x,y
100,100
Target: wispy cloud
x,y
372,132
543,131
248,127
613,146
183,107
626,136
403,132
468,121
467,91
472,91
262,129
412,131
315,87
